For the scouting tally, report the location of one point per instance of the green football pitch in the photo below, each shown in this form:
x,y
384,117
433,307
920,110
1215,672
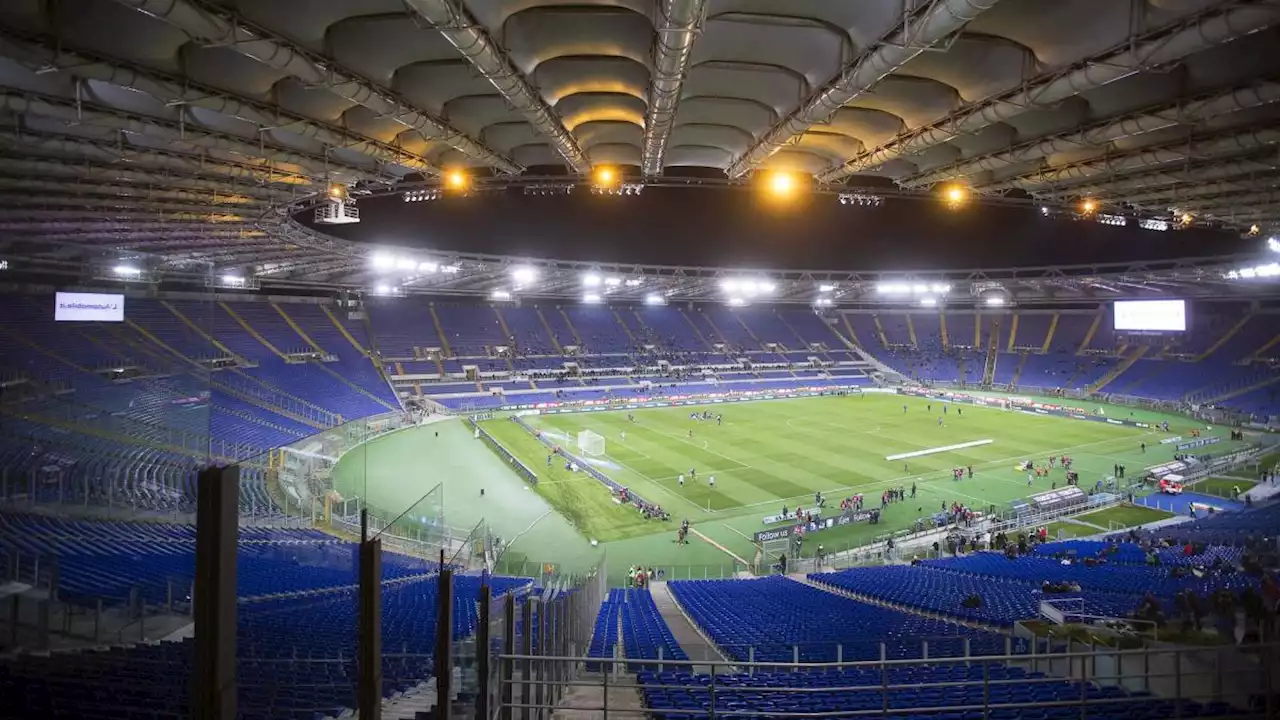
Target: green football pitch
x,y
764,455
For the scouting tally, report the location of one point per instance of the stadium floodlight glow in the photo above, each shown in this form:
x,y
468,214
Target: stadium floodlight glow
x,y
955,195
928,301
634,282
940,288
524,274
737,302
827,288
1088,206
232,280
426,268
1273,244
612,281
382,261
591,280
457,180
1150,224
654,299
605,177
382,289
126,271
781,184
406,264
591,298
450,269
1186,218
824,302
995,301
766,287
892,288
729,285
424,195
1044,210
500,295
919,288
1116,220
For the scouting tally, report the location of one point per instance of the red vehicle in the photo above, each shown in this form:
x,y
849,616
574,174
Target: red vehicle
x,y
1171,485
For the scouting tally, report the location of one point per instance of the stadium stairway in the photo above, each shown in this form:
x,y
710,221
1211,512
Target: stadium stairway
x,y
993,352
343,330
872,600
195,327
444,339
1260,353
1088,336
1230,333
696,331
1013,332
1048,338
357,388
1017,371
1118,370
577,339
252,332
298,329
690,638
555,341
942,331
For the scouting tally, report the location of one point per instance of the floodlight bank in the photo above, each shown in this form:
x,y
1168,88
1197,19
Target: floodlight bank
x,y
933,451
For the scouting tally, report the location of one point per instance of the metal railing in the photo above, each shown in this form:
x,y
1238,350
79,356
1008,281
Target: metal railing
x,y
1176,682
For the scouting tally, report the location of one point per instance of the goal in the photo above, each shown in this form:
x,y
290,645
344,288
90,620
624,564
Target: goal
x,y
590,443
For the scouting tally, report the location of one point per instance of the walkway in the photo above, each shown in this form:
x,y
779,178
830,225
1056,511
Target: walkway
x,y
687,635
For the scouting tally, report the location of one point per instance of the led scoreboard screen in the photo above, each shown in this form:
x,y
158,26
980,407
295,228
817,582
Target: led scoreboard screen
x,y
1150,316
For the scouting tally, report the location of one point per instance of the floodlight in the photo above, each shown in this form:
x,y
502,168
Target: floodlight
x,y
382,261
613,281
126,271
500,295
337,191
524,274
737,302
1248,273
995,301
382,289
928,301
450,269
826,288
1273,244
591,280
824,302
729,285
1269,270
426,268
605,177
748,287
457,180
591,298
919,289
781,184
891,288
1186,218
940,288
634,282
1088,206
654,299
233,280
407,264
956,194
766,287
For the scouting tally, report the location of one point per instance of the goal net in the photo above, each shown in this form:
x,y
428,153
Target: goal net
x,y
590,443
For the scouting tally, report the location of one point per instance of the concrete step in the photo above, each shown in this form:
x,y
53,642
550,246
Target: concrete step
x,y
696,645
624,700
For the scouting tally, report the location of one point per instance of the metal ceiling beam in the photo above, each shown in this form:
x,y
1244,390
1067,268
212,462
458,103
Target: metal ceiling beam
x,y
107,204
140,239
1174,114
210,25
55,169
678,24
97,215
452,20
1171,176
95,188
917,33
1183,193
1225,22
100,225
1142,160
91,115
196,163
35,52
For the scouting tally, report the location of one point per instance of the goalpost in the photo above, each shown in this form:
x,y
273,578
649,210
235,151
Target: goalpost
x,y
591,444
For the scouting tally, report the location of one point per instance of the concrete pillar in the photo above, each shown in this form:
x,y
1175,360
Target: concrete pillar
x,y
213,677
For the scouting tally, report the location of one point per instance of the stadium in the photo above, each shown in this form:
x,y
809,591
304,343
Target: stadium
x,y
650,358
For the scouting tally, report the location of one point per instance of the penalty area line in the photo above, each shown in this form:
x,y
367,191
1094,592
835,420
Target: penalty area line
x,y
933,451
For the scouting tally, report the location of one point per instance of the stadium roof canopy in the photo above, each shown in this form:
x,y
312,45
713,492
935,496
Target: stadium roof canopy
x,y
194,129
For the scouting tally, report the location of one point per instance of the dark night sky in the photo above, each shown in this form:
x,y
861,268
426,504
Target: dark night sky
x,y
739,228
